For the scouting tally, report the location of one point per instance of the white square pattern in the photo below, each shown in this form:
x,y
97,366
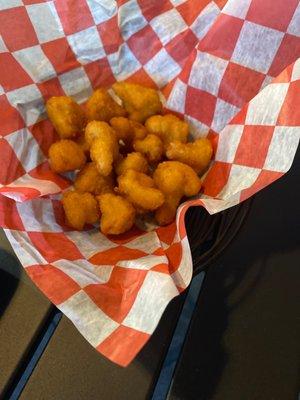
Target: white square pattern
x,y
162,68
294,27
257,46
176,99
131,19
265,107
240,178
102,10
237,9
207,73
224,112
35,62
3,48
168,25
51,27
5,4
77,84
156,292
205,19
91,322
87,45
282,148
228,142
123,63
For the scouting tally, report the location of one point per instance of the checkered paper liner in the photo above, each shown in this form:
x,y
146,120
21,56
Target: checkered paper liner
x,y
233,73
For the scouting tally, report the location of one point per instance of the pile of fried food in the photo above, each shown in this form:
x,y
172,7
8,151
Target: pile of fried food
x,y
131,159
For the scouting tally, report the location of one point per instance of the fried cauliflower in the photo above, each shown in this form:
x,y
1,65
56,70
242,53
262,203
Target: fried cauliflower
x,y
175,180
102,107
151,146
90,180
168,127
66,115
80,209
66,155
135,161
104,145
117,214
140,102
140,190
196,154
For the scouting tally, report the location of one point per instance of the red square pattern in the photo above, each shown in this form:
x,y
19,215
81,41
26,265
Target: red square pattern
x,y
61,55
221,39
151,9
139,44
174,255
288,52
12,75
50,88
53,282
9,216
110,35
275,14
74,15
100,73
240,84
264,179
254,145
112,256
16,29
45,173
45,134
28,2
216,178
132,341
116,297
11,120
55,246
290,112
10,166
200,105
191,9
181,46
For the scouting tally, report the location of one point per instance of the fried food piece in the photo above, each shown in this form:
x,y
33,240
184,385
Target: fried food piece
x,y
135,161
66,155
139,101
104,145
175,180
196,154
83,144
90,180
117,214
128,130
140,190
152,147
80,209
102,107
66,115
168,127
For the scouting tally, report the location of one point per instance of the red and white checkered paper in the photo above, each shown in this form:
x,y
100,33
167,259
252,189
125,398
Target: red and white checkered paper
x,y
232,72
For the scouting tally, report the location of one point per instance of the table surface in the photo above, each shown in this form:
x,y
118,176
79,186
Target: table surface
x,y
242,342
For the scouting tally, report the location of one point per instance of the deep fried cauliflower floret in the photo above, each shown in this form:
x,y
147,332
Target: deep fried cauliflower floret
x,y
117,214
168,127
80,209
139,101
175,180
102,107
152,147
196,154
66,115
66,155
90,180
139,189
104,145
128,130
135,161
